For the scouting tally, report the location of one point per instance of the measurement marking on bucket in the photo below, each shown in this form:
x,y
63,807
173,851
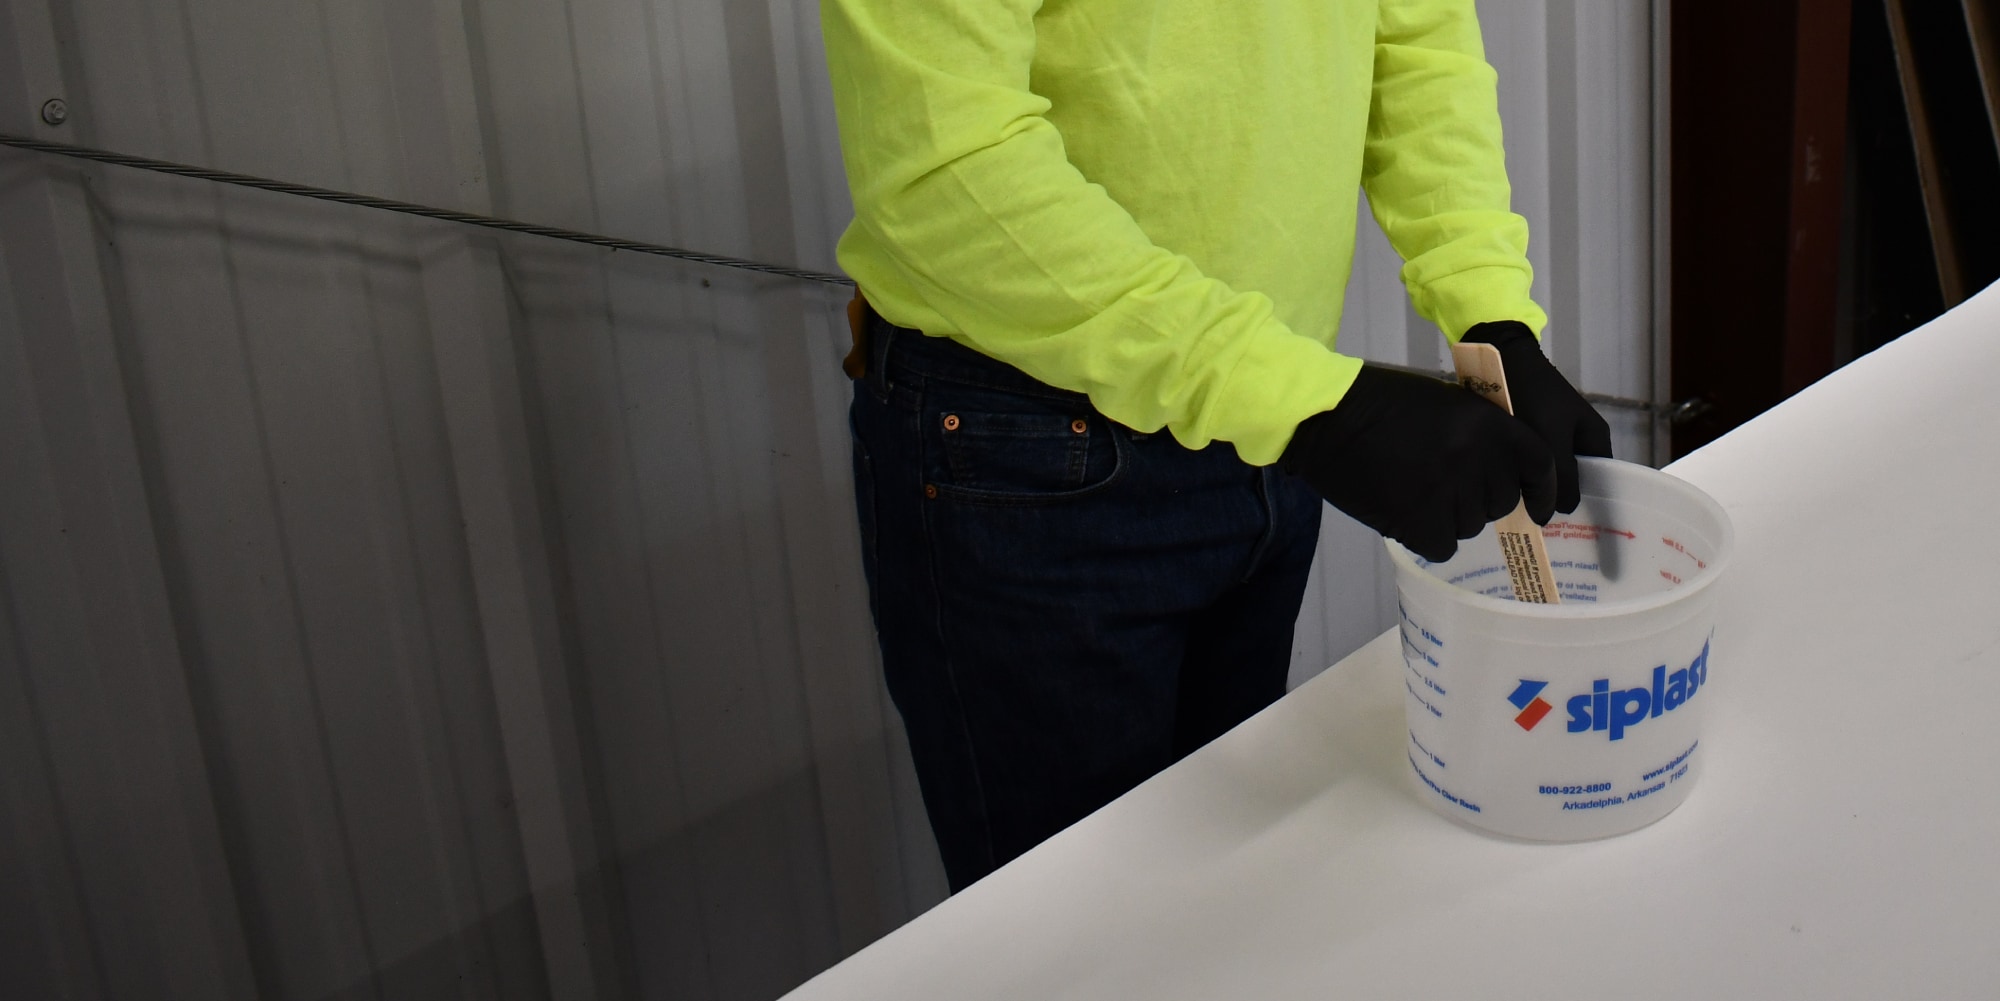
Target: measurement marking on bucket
x,y
1670,543
1435,711
1429,637
1427,751
1410,647
1426,679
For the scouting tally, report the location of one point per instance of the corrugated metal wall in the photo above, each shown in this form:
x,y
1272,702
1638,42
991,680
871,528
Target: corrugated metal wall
x,y
394,609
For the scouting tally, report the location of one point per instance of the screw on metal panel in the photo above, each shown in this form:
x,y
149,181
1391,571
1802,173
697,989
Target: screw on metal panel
x,y
55,111
1691,409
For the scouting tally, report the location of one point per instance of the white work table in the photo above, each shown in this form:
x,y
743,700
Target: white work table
x,y
1844,841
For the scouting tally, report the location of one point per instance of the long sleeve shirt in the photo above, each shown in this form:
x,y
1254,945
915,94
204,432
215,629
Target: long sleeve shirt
x,y
1153,201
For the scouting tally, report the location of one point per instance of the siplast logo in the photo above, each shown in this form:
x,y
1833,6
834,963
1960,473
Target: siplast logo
x,y
1602,710
1527,698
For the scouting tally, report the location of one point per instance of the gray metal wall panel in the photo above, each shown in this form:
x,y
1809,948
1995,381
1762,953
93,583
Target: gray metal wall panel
x,y
398,611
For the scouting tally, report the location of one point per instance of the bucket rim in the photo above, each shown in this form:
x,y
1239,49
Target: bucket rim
x,y
1407,568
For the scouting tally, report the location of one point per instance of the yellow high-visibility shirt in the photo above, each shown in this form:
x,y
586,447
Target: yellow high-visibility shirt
x,y
1153,201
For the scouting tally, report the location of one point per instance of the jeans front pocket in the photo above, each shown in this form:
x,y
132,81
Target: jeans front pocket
x,y
995,448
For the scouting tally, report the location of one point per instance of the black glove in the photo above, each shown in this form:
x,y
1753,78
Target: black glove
x,y
1422,461
1546,400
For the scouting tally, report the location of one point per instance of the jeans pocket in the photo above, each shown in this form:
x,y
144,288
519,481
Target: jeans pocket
x,y
994,448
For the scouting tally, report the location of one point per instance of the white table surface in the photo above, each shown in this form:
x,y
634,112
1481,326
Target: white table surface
x,y
1844,841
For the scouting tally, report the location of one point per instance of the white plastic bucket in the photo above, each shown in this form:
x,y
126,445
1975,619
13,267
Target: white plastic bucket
x,y
1578,720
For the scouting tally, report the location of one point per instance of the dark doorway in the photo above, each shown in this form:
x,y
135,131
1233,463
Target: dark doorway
x,y
1835,183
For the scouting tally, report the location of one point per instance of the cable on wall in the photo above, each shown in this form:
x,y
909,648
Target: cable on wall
x,y
410,208
530,229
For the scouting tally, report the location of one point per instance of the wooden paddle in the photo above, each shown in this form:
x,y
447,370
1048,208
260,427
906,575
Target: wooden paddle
x,y
1521,545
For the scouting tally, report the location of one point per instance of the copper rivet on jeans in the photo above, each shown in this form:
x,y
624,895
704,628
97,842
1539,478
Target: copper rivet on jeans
x,y
1078,426
930,491
951,422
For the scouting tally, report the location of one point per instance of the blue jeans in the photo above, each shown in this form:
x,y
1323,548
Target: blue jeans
x,y
1065,606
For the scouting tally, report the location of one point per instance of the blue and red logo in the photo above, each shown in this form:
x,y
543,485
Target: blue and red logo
x,y
1613,711
1527,698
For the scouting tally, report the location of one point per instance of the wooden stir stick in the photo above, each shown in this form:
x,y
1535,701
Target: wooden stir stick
x,y
1521,545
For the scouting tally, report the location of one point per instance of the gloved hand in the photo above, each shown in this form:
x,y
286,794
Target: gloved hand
x,y
1548,403
1422,461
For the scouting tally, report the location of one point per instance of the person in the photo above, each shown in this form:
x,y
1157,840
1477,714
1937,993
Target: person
x,y
1101,247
